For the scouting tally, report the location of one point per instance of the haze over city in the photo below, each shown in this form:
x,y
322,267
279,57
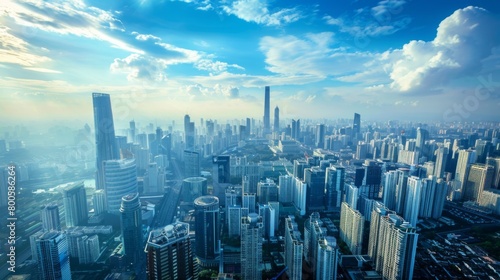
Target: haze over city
x,y
247,139
324,59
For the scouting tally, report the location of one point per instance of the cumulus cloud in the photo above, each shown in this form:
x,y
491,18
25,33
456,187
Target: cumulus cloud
x,y
215,66
145,37
463,41
258,12
140,67
227,91
464,44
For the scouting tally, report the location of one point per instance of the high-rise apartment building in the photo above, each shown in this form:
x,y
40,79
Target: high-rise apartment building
x,y
75,204
251,246
50,217
53,257
326,259
267,191
99,201
294,247
170,253
106,148
480,178
393,245
285,188
413,198
465,159
351,228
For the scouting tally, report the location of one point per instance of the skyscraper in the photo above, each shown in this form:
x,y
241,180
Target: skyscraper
x,y
75,204
334,187
441,158
480,178
422,136
131,226
372,179
327,258
267,191
285,188
88,249
413,198
296,129
99,201
251,246
465,159
50,217
314,177
393,245
320,136
312,233
191,164
207,229
106,148
53,257
356,124
294,247
276,119
170,254
351,228
267,117
188,132
120,179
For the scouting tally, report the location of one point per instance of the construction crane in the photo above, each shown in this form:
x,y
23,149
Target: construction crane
x,y
281,273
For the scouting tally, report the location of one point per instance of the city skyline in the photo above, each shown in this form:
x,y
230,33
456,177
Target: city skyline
x,y
387,59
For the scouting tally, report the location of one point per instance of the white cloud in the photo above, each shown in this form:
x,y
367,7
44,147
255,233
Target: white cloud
x,y
17,51
463,41
383,19
197,90
140,67
66,17
311,55
215,66
258,12
145,37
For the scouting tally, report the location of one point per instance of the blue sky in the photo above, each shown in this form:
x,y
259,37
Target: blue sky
x,y
390,59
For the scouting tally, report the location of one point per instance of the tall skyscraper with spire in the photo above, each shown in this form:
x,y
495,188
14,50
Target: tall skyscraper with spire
x,y
267,117
106,148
